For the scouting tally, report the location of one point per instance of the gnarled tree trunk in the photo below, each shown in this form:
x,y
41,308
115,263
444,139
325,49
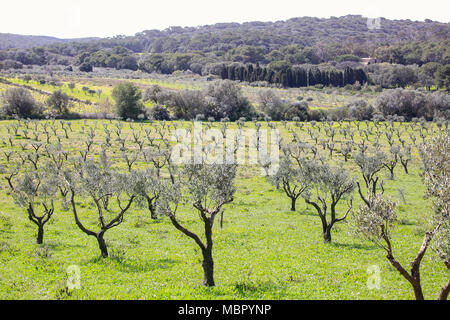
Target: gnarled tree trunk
x,y
102,245
293,200
152,207
327,234
208,268
40,235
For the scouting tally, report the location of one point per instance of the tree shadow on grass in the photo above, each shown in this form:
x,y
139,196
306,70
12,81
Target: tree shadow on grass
x,y
353,246
250,289
303,213
62,246
123,264
407,222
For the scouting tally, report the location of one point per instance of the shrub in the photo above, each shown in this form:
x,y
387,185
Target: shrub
x,y
20,103
86,67
297,110
225,98
127,97
158,112
316,115
59,102
360,110
151,93
271,104
412,104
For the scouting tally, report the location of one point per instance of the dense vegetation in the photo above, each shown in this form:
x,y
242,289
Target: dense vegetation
x,y
9,41
215,101
336,41
297,76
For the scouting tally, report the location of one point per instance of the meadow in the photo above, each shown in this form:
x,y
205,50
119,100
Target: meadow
x,y
103,85
262,250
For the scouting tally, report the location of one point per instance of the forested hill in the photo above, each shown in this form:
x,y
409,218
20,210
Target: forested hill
x,y
304,40
9,40
306,31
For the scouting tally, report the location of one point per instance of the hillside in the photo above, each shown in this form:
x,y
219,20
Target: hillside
x,y
9,40
296,41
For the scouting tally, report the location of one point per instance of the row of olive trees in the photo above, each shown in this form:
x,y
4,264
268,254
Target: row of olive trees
x,y
207,188
374,220
323,186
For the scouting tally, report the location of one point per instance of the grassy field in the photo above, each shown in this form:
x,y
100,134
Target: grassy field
x,y
263,250
317,99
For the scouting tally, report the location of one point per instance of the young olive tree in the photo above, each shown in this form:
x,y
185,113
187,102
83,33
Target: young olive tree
x,y
435,157
36,191
392,160
369,165
149,186
292,179
329,186
375,221
207,187
98,182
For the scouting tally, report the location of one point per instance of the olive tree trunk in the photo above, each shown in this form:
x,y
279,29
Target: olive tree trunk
x,y
40,235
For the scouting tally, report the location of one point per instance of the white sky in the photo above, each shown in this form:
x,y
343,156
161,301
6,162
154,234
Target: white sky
x,y
103,18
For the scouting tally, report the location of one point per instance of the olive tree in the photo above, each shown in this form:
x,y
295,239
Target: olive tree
x,y
36,191
375,221
207,187
292,179
148,185
329,186
391,160
435,158
99,182
369,165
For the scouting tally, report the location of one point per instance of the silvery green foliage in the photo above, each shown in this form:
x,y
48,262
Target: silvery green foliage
x,y
292,177
287,173
100,182
94,179
146,186
36,190
436,162
209,185
375,221
370,165
441,242
327,182
35,187
170,198
205,186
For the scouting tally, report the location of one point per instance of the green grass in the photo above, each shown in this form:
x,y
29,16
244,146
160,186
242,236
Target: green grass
x,y
264,251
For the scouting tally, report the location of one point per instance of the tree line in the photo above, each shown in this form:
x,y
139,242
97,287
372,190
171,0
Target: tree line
x,y
293,76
